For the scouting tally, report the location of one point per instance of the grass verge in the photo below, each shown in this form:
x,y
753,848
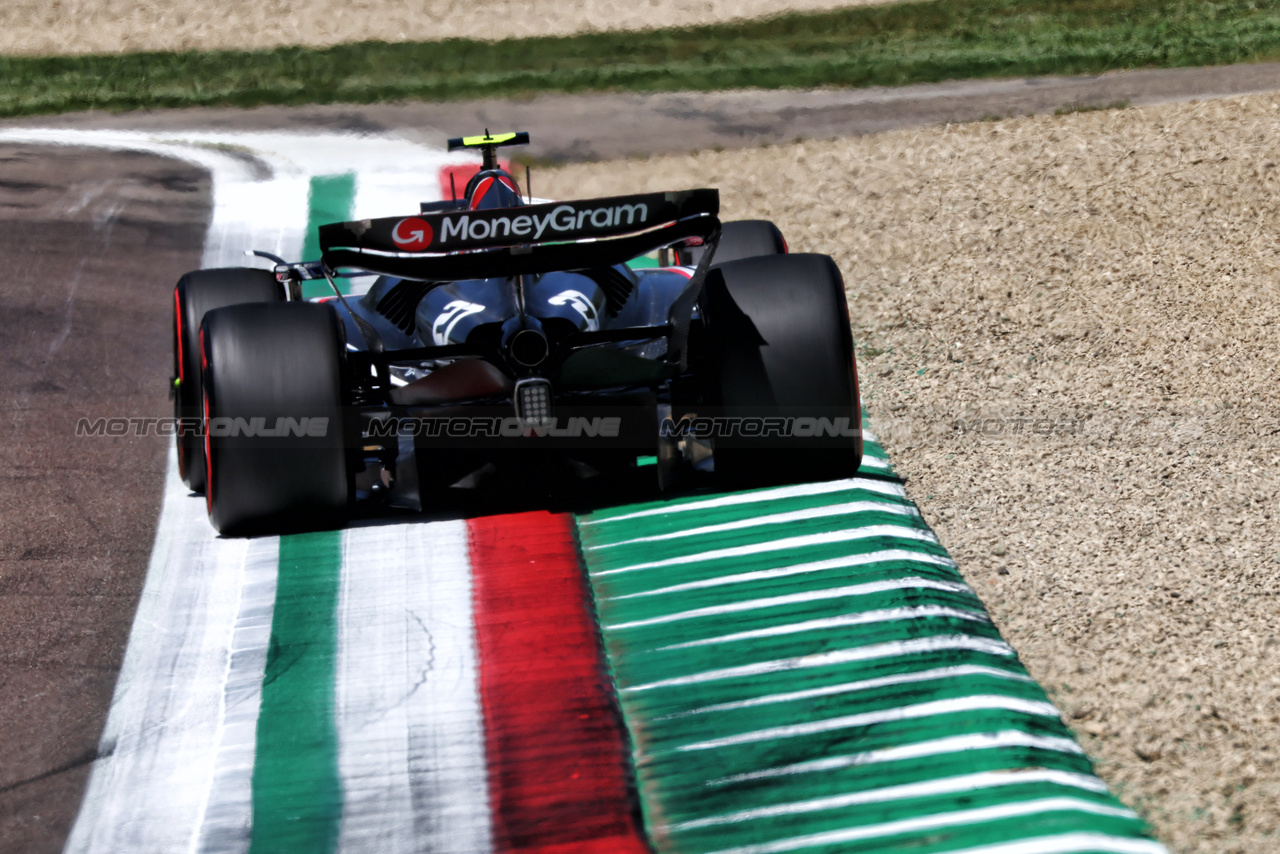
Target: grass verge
x,y
882,45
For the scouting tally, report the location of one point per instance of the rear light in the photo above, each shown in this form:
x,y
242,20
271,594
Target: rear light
x,y
533,402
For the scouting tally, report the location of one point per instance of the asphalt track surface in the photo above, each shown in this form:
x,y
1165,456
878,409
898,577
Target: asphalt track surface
x,y
93,242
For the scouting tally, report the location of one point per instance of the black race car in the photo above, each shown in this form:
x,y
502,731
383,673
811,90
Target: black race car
x,y
599,337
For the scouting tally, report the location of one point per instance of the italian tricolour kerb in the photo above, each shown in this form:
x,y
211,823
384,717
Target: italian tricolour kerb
x,y
823,679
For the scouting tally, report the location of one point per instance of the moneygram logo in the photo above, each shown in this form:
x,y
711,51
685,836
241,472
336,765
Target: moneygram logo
x,y
561,219
412,234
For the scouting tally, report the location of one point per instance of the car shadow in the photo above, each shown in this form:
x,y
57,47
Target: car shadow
x,y
537,490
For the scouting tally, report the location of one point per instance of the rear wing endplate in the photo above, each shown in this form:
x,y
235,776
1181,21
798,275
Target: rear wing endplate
x,y
542,238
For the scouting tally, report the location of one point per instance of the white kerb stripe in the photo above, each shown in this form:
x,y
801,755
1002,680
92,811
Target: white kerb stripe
x,y
775,519
786,544
886,615
937,821
918,646
227,820
987,702
883,556
410,728
1071,843
929,675
965,783
149,790
868,589
919,750
776,494
172,771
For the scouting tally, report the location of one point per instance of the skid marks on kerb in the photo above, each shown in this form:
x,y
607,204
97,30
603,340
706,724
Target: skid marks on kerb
x,y
177,748
803,668
175,702
228,814
410,731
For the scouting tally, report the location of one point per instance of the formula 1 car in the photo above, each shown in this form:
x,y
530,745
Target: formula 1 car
x,y
598,335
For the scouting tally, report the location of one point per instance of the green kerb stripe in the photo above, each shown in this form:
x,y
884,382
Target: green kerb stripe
x,y
297,797
805,669
329,200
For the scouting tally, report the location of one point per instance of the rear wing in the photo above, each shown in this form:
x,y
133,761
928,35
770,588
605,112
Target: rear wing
x,y
542,238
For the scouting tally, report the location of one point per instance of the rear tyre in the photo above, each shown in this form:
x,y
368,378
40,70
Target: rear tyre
x,y
748,238
742,238
274,385
197,293
779,358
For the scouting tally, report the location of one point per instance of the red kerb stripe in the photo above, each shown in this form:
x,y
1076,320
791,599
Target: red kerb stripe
x,y
559,778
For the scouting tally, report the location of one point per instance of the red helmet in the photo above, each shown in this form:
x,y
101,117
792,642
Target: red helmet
x,y
493,188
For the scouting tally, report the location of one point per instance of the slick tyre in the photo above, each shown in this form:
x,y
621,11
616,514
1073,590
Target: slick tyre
x,y
779,359
748,238
274,384
743,238
196,294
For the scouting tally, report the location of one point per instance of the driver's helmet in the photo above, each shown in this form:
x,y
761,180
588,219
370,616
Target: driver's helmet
x,y
493,188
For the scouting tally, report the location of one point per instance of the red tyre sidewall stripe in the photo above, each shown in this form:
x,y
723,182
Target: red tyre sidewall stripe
x,y
559,774
177,319
204,425
183,464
